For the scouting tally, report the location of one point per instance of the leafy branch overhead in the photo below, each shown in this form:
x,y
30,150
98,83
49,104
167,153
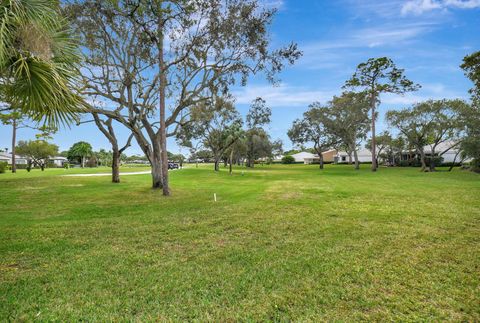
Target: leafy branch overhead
x,y
39,61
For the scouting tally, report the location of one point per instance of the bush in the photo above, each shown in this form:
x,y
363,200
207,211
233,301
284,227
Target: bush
x,y
3,167
288,159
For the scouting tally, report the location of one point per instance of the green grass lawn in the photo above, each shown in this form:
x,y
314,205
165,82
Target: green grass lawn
x,y
281,243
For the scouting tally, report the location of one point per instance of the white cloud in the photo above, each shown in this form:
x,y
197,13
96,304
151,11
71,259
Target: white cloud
x,y
418,7
433,91
282,95
343,53
277,4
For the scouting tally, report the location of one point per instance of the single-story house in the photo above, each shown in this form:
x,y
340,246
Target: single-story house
x,y
7,157
305,157
364,156
448,157
59,161
309,158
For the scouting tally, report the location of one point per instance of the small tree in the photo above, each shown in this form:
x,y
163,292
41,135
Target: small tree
x,y
348,120
415,126
383,141
217,124
256,137
377,76
38,152
80,150
106,127
313,128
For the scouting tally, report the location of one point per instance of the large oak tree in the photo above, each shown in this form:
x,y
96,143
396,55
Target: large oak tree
x,y
150,61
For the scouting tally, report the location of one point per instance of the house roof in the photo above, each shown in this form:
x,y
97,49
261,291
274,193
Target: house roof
x,y
441,147
9,156
360,153
304,154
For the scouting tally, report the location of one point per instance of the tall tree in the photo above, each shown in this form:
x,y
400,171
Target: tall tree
x,y
377,76
471,66
144,55
14,118
38,60
471,143
313,128
80,150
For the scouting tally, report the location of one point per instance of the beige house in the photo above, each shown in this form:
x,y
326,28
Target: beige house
x,y
309,158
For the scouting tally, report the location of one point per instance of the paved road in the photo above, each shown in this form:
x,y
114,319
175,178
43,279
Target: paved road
x,y
108,174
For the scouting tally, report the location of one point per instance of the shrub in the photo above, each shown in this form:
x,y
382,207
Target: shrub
x,y
288,159
3,167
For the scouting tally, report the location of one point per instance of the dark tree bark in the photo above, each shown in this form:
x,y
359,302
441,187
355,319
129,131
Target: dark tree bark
x,y
422,159
320,156
14,143
163,128
374,143
357,163
231,161
106,127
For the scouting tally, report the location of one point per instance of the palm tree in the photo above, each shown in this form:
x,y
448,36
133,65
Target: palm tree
x,y
81,149
38,60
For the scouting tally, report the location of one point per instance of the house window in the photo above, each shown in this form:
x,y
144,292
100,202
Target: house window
x,y
344,158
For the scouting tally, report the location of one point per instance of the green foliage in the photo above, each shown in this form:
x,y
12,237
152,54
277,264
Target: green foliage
x,y
37,151
381,75
3,167
80,150
471,66
288,159
38,60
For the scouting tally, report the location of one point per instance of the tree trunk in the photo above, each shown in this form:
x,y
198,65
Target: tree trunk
x,y
216,166
357,163
163,84
374,143
83,161
350,157
454,160
157,170
14,142
422,160
431,166
231,162
42,166
116,166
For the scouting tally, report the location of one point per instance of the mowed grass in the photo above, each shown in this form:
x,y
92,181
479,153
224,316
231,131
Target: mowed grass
x,y
281,243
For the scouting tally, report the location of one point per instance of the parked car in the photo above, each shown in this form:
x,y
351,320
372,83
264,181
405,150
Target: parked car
x,y
172,165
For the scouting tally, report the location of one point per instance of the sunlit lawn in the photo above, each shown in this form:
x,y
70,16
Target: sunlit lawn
x,y
280,243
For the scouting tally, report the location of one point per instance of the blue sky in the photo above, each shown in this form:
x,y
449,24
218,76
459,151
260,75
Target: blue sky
x,y
428,38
